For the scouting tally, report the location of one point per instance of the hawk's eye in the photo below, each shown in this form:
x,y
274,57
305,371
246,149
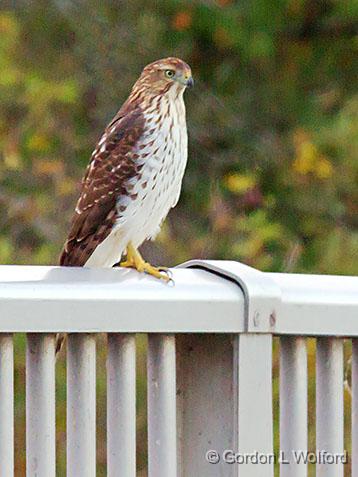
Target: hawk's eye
x,y
169,73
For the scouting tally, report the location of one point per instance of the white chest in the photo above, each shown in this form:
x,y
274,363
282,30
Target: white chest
x,y
163,153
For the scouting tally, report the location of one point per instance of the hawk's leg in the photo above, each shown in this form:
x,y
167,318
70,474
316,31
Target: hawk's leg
x,y
135,260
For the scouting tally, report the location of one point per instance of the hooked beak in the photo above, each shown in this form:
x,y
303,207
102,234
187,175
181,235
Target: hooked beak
x,y
186,79
189,82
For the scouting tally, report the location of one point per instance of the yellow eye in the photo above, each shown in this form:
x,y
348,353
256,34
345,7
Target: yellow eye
x,y
169,73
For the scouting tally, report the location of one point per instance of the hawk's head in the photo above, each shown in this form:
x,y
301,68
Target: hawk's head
x,y
162,75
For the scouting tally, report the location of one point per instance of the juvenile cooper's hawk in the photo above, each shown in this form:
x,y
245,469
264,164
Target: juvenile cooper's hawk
x,y
135,173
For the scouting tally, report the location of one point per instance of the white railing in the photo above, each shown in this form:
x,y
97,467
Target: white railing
x,y
209,368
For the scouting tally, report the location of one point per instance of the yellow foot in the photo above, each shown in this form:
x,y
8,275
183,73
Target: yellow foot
x,y
135,260
158,272
127,264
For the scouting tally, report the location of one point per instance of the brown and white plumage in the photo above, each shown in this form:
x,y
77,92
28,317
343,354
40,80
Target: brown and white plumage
x,y
135,173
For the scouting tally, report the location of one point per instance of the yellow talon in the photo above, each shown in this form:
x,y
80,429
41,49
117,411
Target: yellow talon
x,y
135,260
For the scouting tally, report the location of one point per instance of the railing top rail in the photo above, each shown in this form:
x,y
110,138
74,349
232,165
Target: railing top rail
x,y
287,303
46,299
208,296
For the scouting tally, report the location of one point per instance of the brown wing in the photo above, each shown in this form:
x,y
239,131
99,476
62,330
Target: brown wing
x,y
112,164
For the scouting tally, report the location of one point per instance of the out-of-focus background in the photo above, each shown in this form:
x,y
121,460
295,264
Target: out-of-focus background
x,y
273,134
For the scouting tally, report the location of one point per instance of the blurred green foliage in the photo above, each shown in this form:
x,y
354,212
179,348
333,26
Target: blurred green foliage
x,y
273,126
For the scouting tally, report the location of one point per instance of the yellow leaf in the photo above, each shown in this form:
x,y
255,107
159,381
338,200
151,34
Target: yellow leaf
x,y
38,143
239,183
12,160
324,168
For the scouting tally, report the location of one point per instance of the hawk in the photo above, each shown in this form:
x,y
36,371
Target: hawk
x,y
135,173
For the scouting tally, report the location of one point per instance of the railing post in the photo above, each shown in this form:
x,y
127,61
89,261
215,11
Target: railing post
x,y
162,430
121,405
293,405
253,371
81,405
40,405
6,405
329,406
